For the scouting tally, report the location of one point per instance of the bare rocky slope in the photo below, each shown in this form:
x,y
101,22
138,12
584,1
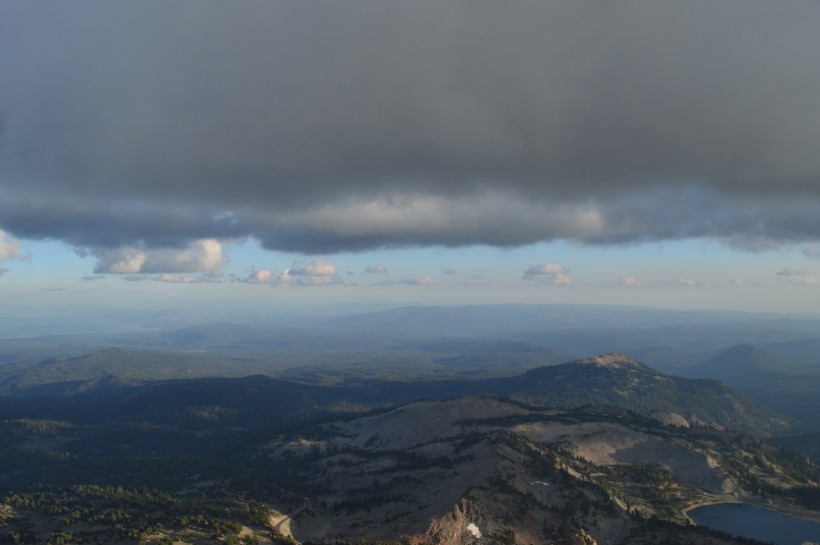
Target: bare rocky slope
x,y
480,470
257,452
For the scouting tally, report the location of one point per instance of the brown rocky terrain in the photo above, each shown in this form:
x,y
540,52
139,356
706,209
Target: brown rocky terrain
x,y
480,470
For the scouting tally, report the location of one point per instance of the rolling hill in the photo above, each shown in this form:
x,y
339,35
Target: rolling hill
x,y
739,365
768,378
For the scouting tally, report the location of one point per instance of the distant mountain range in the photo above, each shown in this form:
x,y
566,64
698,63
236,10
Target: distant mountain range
x,y
612,379
663,338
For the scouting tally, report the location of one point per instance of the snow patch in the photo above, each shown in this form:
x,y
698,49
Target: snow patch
x,y
473,529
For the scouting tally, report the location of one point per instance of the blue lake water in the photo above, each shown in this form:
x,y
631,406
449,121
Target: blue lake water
x,y
757,523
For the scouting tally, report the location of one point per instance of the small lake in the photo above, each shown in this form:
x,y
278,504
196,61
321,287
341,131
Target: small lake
x,y
757,523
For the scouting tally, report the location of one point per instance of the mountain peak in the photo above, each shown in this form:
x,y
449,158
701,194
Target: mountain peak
x,y
614,360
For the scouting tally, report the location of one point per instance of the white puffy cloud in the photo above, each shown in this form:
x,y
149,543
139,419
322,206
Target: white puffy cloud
x,y
377,269
127,260
284,278
631,282
317,267
799,276
199,256
548,274
318,272
419,281
258,276
688,282
9,246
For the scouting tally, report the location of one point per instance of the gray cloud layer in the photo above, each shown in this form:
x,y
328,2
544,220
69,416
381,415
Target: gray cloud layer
x,y
326,126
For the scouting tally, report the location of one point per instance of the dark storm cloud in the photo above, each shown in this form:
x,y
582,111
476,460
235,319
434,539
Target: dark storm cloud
x,y
330,126
110,223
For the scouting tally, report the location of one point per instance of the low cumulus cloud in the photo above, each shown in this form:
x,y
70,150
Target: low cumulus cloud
x,y
799,276
318,272
198,256
9,247
177,278
258,276
688,282
378,269
422,281
548,274
418,281
631,282
407,124
284,278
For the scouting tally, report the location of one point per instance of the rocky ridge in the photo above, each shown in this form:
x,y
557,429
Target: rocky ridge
x,y
480,470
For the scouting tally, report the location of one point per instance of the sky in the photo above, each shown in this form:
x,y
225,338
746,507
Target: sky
x,y
642,152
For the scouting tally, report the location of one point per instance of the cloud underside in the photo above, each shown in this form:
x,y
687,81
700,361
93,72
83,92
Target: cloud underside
x,y
497,219
408,124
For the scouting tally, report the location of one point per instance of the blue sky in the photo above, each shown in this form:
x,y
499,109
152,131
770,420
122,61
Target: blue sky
x,y
649,152
687,274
